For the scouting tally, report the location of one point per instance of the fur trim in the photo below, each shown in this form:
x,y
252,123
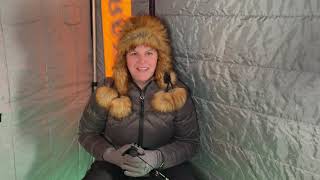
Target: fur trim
x,y
121,78
169,101
179,96
120,107
105,95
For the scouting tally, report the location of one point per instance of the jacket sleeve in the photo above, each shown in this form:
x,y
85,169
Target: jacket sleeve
x,y
186,137
91,128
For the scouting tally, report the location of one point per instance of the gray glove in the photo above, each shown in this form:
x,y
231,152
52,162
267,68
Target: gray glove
x,y
136,167
115,156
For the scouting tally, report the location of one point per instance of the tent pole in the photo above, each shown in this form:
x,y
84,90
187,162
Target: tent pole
x,y
94,47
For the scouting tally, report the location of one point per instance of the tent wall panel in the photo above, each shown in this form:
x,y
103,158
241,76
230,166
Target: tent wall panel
x,y
46,53
254,70
6,145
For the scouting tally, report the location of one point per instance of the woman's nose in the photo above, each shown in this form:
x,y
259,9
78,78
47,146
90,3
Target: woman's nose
x,y
141,59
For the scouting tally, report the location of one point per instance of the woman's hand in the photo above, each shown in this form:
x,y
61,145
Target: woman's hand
x,y
116,156
141,165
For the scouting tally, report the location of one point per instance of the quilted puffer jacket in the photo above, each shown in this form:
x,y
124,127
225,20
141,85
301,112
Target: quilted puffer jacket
x,y
175,134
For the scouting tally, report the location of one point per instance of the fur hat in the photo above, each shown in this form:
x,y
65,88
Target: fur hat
x,y
149,31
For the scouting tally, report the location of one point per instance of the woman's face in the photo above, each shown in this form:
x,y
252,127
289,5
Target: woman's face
x,y
142,62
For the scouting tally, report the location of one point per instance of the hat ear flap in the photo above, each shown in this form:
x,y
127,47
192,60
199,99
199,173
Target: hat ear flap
x,y
120,76
121,107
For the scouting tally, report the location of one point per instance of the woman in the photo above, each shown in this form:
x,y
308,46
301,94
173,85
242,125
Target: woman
x,y
144,104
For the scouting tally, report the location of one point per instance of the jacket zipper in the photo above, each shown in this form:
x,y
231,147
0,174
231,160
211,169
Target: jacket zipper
x,y
141,120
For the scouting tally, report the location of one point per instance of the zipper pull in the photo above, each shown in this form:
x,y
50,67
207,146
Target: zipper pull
x,y
141,97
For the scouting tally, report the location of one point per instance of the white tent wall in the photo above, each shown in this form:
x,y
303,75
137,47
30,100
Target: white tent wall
x,y
253,67
45,82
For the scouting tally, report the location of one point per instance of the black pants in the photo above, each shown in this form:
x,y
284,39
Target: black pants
x,y
101,170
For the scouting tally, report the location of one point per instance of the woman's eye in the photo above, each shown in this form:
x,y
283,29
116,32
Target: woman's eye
x,y
132,53
149,53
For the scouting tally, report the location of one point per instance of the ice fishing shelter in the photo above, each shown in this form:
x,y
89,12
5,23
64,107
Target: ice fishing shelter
x,y
253,67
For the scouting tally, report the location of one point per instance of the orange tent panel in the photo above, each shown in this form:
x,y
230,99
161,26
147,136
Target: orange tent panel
x,y
113,14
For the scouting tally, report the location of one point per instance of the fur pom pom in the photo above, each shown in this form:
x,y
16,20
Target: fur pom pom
x,y
169,101
105,95
162,102
179,96
120,107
